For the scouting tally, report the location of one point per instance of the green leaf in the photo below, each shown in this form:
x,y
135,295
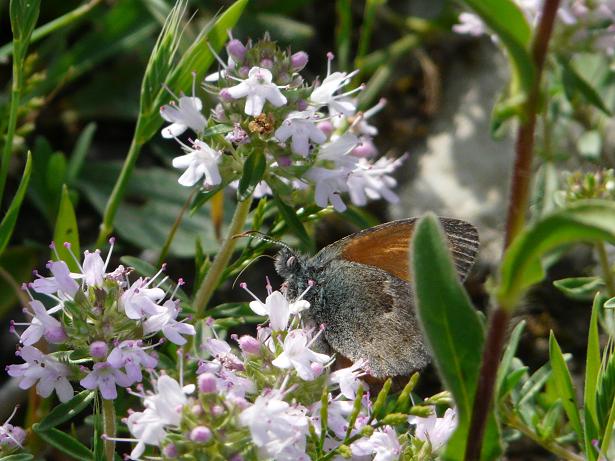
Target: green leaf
x,y
592,371
80,152
10,218
67,411
442,306
563,384
575,84
507,20
24,14
66,231
581,288
292,221
507,357
343,32
65,443
584,221
204,196
253,171
18,457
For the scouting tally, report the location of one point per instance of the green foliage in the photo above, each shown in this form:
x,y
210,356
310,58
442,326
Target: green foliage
x,y
65,443
581,288
66,411
66,231
253,171
443,306
24,14
7,225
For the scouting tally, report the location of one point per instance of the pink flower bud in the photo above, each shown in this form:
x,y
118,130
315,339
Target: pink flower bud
x,y
249,344
299,60
197,410
267,63
326,127
170,451
99,349
284,160
244,71
364,150
302,104
317,368
207,383
200,434
217,410
236,49
225,96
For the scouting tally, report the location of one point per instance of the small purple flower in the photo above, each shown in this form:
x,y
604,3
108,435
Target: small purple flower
x,y
165,321
42,325
139,301
236,50
11,436
207,383
104,377
60,282
46,372
249,345
99,349
131,356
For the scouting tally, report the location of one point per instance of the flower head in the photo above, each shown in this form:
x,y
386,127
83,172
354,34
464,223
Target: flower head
x,y
257,89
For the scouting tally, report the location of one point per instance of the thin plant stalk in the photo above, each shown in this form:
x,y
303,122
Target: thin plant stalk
x,y
518,204
607,273
108,413
167,243
106,227
212,278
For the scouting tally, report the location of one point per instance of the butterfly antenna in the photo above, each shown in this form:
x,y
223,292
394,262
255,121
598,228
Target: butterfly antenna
x,y
260,236
248,265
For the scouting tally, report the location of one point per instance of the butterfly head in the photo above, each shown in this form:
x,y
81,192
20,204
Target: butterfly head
x,y
288,263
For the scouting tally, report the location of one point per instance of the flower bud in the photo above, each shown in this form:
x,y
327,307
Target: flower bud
x,y
299,60
236,50
317,368
284,160
217,410
326,127
267,63
170,451
302,104
364,150
225,95
99,349
421,411
366,431
197,410
394,419
207,383
249,345
344,451
200,434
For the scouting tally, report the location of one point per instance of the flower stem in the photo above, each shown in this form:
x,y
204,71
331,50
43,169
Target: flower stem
x,y
167,244
108,413
607,273
518,204
211,280
119,189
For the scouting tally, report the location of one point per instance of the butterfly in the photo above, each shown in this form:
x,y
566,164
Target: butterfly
x,y
361,292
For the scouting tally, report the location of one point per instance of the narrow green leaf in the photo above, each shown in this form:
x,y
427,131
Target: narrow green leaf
x,y
65,443
563,383
551,418
507,357
253,171
67,411
80,152
584,221
24,14
442,306
592,360
367,26
10,218
66,231
18,457
204,196
533,385
292,221
343,31
510,381
581,288
575,84
506,19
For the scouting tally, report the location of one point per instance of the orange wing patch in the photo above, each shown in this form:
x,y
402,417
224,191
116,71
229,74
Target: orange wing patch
x,y
386,246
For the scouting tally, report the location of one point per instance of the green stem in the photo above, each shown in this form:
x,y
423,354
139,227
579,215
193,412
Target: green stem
x,y
119,189
12,125
211,280
549,445
52,26
167,244
607,273
108,413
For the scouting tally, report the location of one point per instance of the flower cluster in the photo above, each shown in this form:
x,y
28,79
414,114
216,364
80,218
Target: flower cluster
x,y
308,134
592,185
277,398
11,437
584,24
94,316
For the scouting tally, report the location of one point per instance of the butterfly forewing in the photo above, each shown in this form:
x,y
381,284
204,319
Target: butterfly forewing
x,y
386,246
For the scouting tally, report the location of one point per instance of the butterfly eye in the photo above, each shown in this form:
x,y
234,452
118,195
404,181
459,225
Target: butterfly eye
x,y
290,262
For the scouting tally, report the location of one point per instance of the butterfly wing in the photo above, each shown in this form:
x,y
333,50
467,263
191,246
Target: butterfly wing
x,y
366,302
386,246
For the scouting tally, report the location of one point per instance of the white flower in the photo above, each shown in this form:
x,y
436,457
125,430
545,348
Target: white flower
x,y
166,321
276,307
93,269
373,180
200,160
139,301
348,378
45,371
131,356
183,115
330,184
277,428
11,436
298,355
147,428
257,89
301,128
42,324
104,377
435,430
324,94
338,150
382,442
337,414
471,24
61,281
